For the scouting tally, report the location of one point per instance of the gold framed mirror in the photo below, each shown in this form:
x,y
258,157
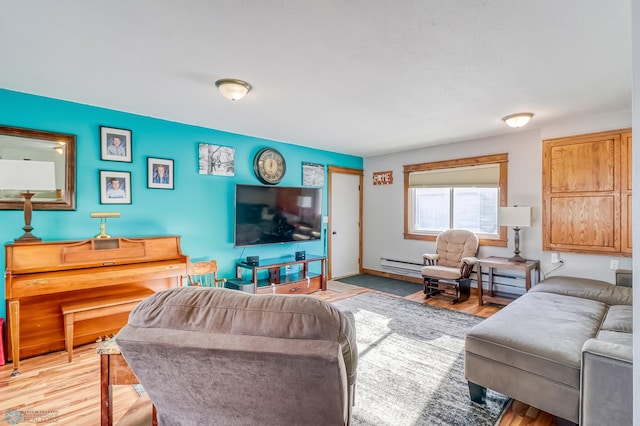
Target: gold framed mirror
x,y
20,144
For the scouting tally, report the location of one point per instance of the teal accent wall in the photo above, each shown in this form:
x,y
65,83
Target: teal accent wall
x,y
200,209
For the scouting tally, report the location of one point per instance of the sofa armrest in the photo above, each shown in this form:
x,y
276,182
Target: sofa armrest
x,y
606,383
469,260
466,266
430,259
350,347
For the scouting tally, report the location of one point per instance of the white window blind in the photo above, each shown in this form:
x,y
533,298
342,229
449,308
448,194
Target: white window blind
x,y
482,176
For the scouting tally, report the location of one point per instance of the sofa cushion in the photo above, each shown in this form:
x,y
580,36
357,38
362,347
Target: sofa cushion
x,y
541,333
621,339
225,311
619,318
587,289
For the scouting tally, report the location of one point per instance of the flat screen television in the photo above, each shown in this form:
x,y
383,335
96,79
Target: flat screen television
x,y
277,214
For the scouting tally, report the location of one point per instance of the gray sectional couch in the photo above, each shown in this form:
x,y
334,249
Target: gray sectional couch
x,y
565,347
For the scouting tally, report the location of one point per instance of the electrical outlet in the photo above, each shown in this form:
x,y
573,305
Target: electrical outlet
x,y
613,264
555,258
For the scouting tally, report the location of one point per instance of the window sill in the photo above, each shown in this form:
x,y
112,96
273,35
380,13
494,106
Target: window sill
x,y
483,241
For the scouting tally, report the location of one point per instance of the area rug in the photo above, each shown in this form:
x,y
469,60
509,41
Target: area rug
x,y
411,365
386,285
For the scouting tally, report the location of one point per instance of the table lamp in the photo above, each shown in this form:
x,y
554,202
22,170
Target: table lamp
x,y
517,217
27,176
103,222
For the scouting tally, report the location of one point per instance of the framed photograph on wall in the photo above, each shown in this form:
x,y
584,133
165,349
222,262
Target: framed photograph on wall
x,y
159,173
115,144
312,174
115,187
216,160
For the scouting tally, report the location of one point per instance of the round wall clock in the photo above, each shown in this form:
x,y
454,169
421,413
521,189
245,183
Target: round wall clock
x,y
269,166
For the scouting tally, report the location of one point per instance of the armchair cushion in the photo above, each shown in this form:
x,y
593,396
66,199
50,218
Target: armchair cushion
x,y
444,272
454,244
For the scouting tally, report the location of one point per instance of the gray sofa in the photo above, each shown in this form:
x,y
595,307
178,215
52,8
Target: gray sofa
x,y
213,356
565,347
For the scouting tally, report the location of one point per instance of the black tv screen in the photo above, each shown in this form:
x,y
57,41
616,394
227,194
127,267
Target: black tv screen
x,y
277,214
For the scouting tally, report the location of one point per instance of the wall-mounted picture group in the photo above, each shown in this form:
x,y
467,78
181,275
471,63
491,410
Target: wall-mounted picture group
x,y
117,145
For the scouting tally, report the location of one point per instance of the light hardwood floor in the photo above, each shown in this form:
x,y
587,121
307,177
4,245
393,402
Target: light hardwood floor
x,y
50,386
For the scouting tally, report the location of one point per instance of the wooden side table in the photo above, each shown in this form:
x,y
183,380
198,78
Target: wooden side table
x,y
495,262
114,370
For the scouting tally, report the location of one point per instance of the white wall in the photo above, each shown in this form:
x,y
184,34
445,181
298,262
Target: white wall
x,y
635,42
384,204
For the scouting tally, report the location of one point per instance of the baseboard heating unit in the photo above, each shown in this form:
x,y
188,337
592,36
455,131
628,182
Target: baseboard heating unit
x,y
509,282
401,267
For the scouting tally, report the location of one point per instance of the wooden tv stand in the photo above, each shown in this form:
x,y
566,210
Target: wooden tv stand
x,y
284,275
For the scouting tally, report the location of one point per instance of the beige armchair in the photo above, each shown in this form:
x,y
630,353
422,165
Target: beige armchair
x,y
447,271
216,356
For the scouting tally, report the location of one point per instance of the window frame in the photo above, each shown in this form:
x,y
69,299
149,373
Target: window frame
x,y
500,159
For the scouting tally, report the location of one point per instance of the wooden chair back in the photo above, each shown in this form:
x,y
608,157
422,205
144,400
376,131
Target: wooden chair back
x,y
205,274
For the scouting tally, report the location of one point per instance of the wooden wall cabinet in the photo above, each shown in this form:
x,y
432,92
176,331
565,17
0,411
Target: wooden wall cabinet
x,y
625,192
586,193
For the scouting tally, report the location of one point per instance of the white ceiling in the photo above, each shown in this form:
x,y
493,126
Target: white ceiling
x,y
363,77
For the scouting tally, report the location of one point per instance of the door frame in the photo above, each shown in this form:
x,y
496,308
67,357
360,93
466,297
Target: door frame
x,y
343,170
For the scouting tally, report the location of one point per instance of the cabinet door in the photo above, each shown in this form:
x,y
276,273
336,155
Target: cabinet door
x,y
625,191
581,193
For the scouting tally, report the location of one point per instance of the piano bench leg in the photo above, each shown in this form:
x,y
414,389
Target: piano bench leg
x,y
68,334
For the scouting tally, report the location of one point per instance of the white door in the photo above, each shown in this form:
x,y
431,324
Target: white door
x,y
345,222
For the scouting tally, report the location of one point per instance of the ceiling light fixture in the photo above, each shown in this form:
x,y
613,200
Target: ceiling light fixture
x,y
518,120
232,88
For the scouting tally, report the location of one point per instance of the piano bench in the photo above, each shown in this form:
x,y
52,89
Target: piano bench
x,y
98,307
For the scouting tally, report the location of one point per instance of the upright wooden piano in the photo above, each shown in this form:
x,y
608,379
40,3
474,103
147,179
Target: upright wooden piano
x,y
40,276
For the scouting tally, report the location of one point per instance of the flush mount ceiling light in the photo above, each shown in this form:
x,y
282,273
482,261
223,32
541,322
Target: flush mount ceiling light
x,y
233,89
518,120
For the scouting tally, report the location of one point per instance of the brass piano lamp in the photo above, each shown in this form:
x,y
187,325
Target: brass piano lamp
x,y
103,222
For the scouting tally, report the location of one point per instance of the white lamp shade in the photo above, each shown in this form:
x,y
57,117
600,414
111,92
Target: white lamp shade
x,y
233,89
514,216
518,120
27,175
